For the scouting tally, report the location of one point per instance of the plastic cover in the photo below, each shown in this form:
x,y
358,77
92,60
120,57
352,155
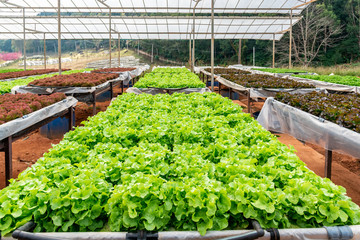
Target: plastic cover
x,y
83,94
279,117
19,124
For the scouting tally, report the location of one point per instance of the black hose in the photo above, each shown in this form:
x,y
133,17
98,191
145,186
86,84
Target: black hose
x,y
258,232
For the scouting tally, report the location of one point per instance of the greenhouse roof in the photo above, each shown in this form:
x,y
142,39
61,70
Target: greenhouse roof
x,y
160,6
265,28
90,19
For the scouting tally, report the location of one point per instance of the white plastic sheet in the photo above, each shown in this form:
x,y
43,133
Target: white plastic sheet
x,y
279,117
19,124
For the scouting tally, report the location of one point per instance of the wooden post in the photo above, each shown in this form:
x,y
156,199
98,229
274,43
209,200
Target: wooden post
x,y
59,37
94,104
71,118
273,56
328,163
240,51
111,90
8,159
290,41
44,51
152,53
248,102
24,40
110,37
119,49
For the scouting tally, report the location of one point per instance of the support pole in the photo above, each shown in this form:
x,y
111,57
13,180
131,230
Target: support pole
x,y
45,50
59,37
152,53
110,37
290,41
190,54
8,160
273,55
119,49
138,47
254,56
328,162
240,52
212,45
24,40
71,118
193,48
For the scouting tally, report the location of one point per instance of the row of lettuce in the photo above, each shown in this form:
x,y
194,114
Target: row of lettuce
x,y
337,79
183,162
170,78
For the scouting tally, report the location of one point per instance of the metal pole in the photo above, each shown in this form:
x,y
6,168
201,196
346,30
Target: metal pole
x,y
290,41
240,51
193,48
110,37
24,41
59,37
190,59
254,56
44,51
212,45
273,60
328,162
152,53
119,49
138,47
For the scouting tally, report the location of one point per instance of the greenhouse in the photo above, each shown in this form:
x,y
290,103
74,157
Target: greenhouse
x,y
137,149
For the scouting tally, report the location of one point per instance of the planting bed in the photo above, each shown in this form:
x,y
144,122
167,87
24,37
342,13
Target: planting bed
x,y
279,70
170,78
10,75
75,80
219,71
16,106
6,86
341,109
12,70
344,80
187,162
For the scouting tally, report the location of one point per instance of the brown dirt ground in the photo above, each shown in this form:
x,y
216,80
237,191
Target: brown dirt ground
x,y
346,170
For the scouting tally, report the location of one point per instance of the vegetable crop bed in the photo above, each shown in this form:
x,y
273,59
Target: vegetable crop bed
x,y
11,70
343,110
112,70
279,70
220,71
16,106
265,81
6,86
344,80
9,75
184,162
75,80
170,78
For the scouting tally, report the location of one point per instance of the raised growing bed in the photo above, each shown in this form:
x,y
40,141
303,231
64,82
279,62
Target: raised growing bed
x,y
14,75
169,80
7,85
177,162
85,87
331,121
258,86
24,113
333,83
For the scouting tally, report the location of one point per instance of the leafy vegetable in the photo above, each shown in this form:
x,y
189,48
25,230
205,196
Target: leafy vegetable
x,y
11,70
15,106
170,78
183,162
18,74
227,71
6,86
112,70
343,110
345,80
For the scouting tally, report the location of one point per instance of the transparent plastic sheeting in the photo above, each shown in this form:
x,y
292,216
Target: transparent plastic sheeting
x,y
285,234
145,27
158,6
83,94
279,117
261,92
19,124
154,91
